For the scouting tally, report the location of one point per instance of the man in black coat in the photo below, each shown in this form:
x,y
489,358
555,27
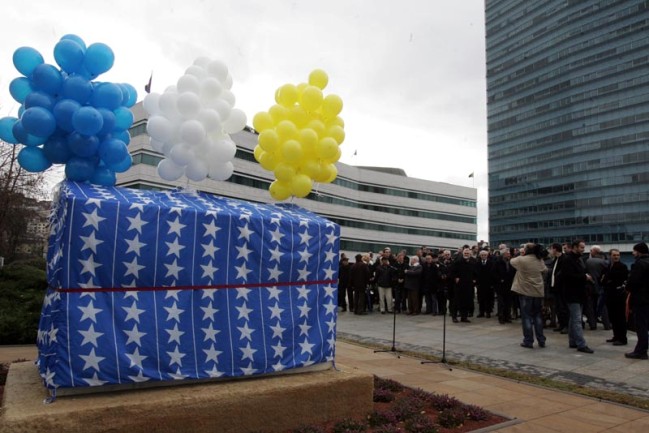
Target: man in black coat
x,y
575,278
359,278
463,274
504,278
613,279
638,286
485,284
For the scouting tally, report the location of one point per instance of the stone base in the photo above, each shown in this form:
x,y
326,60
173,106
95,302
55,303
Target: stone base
x,y
269,404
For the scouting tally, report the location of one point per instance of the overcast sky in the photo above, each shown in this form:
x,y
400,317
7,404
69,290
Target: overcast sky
x,y
411,73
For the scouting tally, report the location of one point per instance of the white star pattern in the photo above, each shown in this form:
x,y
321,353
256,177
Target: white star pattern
x,y
182,285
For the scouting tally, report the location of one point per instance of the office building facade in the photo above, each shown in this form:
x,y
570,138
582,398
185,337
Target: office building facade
x,y
568,119
374,207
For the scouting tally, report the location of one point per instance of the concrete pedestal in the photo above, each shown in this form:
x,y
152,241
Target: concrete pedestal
x,y
268,404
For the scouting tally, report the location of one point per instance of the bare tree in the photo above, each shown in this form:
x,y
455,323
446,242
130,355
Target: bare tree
x,y
16,187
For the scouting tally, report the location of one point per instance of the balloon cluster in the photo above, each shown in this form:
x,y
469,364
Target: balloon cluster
x,y
65,117
299,137
190,123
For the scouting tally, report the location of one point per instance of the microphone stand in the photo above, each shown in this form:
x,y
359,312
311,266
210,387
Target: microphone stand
x,y
394,330
443,360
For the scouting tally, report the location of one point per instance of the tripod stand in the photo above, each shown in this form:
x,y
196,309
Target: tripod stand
x,y
394,331
443,360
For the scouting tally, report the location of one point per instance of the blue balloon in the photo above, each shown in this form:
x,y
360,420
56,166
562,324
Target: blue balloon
x,y
47,78
80,169
109,122
6,127
124,136
83,145
78,88
74,38
103,176
33,159
38,121
19,88
63,112
129,95
99,59
56,150
69,55
26,59
87,120
112,151
106,95
123,118
123,165
39,99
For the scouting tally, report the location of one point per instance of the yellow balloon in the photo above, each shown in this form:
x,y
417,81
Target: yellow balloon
x,y
310,167
337,121
280,190
262,121
318,126
332,173
336,132
318,78
268,161
327,148
258,151
300,89
278,113
322,174
286,95
301,185
308,137
286,130
291,151
332,105
269,140
284,171
334,158
299,116
311,98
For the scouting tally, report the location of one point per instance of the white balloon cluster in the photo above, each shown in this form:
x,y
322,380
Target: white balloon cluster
x,y
190,123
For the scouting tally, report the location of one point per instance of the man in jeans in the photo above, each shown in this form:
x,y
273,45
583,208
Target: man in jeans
x,y
574,279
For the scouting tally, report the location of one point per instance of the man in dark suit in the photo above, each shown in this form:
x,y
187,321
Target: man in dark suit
x,y
485,283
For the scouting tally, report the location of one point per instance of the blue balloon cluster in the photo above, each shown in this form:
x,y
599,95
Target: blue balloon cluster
x,y
66,117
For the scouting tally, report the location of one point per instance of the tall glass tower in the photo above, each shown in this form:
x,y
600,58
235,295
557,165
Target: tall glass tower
x,y
568,116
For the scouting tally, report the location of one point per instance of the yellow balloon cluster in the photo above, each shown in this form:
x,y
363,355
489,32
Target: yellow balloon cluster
x,y
299,137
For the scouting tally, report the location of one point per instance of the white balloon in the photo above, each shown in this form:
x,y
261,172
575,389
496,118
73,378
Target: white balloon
x,y
188,83
228,82
181,154
150,103
228,97
166,148
197,71
202,61
188,104
218,69
192,132
221,171
235,122
168,170
210,119
222,150
211,88
160,128
222,107
167,104
196,170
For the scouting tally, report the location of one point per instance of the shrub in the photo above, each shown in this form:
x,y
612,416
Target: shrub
x,y
420,424
380,418
349,425
383,395
407,407
451,417
475,413
388,384
421,395
390,428
443,401
309,429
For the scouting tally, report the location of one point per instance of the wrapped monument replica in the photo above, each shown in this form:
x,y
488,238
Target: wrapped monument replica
x,y
163,286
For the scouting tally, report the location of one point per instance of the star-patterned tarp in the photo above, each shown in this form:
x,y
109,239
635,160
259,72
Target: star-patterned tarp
x,y
177,285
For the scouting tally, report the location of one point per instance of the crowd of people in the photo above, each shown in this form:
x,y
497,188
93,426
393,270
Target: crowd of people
x,y
560,287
